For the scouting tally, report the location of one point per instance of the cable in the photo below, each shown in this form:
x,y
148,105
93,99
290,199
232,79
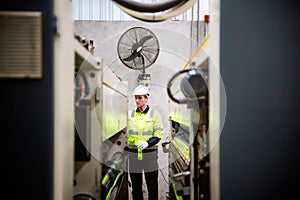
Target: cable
x,y
179,101
150,7
114,184
167,182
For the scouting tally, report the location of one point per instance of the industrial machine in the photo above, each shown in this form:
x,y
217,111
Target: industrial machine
x,y
100,115
188,145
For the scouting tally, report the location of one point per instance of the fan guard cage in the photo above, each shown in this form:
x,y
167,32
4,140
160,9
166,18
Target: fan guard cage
x,y
138,48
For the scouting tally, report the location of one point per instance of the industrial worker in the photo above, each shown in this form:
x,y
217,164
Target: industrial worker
x,y
145,130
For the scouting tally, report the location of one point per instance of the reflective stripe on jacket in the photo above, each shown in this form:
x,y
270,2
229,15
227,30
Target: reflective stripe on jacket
x,y
143,126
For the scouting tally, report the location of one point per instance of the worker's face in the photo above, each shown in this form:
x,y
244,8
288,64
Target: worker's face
x,y
140,101
203,128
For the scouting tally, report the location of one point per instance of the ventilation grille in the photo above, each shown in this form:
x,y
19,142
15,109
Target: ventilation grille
x,y
21,45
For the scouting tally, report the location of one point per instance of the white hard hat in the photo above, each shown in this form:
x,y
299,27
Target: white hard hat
x,y
141,90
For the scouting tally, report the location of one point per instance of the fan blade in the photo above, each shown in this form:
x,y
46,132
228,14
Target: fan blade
x,y
143,60
131,57
140,44
144,39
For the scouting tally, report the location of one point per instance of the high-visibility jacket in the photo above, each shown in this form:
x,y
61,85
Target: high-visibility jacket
x,y
143,126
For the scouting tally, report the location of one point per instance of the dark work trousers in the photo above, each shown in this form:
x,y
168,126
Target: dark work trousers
x,y
150,167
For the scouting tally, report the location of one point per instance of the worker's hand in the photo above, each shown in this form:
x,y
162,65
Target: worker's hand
x,y
142,145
